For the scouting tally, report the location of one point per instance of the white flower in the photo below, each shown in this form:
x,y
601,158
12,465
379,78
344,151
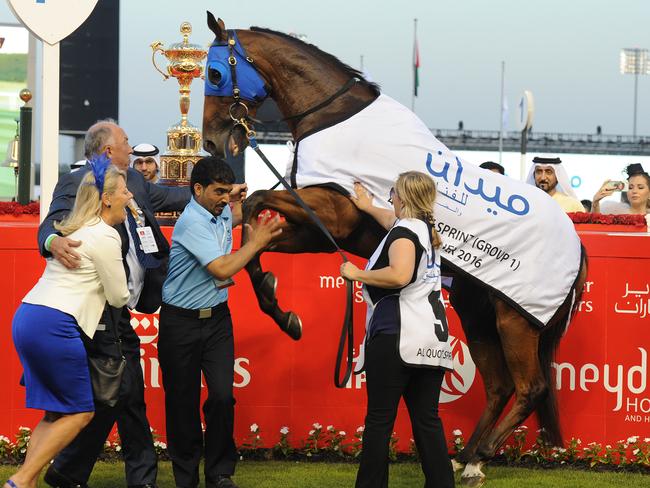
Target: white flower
x,y
311,432
118,448
342,433
254,428
457,432
608,446
4,439
633,439
636,451
646,439
330,428
24,429
284,430
361,428
317,426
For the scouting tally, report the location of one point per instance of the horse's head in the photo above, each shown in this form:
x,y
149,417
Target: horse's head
x,y
234,90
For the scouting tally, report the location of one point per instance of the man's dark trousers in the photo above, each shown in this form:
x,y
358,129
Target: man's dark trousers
x,y
187,346
77,460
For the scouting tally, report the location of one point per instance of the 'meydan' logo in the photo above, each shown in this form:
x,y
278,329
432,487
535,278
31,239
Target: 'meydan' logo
x,y
458,382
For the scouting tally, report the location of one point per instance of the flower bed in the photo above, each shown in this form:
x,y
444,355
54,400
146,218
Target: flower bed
x,y
16,209
329,444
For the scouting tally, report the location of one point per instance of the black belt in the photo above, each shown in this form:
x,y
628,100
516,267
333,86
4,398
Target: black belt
x,y
198,313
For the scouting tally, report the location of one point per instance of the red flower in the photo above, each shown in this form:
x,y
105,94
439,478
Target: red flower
x,y
607,219
16,209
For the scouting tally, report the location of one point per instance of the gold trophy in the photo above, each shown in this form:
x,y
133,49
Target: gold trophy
x,y
184,140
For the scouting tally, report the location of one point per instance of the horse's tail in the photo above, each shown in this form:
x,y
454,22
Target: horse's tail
x,y
547,411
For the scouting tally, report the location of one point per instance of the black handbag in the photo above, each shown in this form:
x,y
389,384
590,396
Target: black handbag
x,y
106,371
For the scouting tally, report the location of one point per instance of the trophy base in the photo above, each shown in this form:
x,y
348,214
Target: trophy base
x,y
175,170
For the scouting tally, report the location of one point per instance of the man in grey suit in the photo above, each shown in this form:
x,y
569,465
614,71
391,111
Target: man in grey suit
x,y
145,273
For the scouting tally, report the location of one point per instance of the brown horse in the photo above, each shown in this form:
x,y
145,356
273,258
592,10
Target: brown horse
x,y
312,90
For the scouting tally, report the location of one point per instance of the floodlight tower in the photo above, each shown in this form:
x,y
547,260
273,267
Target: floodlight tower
x,y
634,61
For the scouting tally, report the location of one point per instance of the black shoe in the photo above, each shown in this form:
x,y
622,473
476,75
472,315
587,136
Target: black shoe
x,y
225,482
57,479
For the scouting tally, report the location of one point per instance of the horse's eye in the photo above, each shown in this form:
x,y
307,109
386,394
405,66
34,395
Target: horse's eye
x,y
214,76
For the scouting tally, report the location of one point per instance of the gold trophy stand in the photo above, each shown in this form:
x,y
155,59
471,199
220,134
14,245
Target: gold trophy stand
x,y
184,140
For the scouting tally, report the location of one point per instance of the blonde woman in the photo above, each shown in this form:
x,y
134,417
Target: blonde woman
x,y
407,347
64,304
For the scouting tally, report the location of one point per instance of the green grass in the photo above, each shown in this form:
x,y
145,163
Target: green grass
x,y
275,474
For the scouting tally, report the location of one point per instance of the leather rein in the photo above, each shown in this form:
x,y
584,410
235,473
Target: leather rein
x,y
347,330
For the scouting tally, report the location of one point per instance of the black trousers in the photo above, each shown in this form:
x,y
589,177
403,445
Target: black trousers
x,y
77,460
187,347
387,380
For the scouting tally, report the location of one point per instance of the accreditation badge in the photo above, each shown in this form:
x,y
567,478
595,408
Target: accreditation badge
x,y
147,240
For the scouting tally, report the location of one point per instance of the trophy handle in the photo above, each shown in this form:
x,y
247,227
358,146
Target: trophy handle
x,y
156,46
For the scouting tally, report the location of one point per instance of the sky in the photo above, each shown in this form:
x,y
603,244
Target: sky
x,y
565,52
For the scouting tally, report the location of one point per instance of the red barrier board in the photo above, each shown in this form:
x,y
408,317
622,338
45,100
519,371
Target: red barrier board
x,y
601,372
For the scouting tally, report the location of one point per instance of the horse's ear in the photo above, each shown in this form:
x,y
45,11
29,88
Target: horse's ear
x,y
217,26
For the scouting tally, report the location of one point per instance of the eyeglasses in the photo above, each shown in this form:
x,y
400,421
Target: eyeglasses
x,y
391,194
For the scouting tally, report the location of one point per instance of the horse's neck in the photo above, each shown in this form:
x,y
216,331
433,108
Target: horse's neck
x,y
300,81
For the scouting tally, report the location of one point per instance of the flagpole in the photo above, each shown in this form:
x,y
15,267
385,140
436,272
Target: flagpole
x,y
415,56
503,74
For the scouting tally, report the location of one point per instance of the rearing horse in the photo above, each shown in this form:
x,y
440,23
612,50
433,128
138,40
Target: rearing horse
x,y
314,90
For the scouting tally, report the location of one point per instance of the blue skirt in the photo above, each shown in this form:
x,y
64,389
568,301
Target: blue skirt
x,y
54,360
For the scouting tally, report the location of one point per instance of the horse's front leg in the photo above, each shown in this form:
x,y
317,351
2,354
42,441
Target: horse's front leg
x,y
298,235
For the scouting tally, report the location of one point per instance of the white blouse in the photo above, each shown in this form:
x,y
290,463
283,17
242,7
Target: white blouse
x,y
84,291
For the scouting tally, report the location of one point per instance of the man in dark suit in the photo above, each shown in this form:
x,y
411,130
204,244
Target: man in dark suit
x,y
145,273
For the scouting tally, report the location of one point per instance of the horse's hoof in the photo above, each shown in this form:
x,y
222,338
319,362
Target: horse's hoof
x,y
473,482
456,466
293,327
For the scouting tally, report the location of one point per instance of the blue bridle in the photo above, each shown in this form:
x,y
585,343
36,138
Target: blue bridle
x,y
229,72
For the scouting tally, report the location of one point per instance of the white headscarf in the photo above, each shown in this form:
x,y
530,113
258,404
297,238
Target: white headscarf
x,y
145,151
563,182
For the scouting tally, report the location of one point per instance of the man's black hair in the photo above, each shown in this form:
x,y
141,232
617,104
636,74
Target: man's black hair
x,y
491,165
211,170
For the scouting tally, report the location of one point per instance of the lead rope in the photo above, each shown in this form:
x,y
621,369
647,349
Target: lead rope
x,y
347,330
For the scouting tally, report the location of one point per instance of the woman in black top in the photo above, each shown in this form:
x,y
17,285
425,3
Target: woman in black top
x,y
407,342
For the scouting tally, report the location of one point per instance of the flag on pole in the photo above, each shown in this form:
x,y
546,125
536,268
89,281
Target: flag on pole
x,y
416,67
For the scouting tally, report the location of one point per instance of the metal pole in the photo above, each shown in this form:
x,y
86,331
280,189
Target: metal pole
x,y
522,162
50,125
415,53
25,155
636,83
503,74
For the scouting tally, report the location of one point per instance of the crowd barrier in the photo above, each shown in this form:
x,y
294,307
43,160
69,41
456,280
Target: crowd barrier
x,y
601,370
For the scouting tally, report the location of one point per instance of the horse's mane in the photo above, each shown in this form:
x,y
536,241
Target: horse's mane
x,y
322,55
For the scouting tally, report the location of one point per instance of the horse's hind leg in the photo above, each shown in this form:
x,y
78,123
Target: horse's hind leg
x,y
520,343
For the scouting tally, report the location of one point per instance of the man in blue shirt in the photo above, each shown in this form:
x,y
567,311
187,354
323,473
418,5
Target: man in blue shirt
x,y
195,330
